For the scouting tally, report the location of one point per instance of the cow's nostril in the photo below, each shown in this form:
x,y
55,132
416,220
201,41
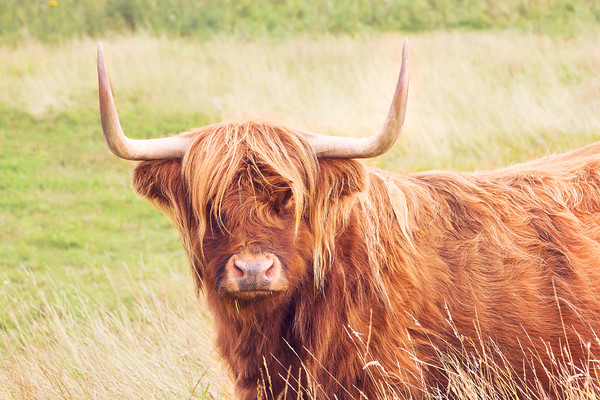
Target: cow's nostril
x,y
238,272
239,269
269,271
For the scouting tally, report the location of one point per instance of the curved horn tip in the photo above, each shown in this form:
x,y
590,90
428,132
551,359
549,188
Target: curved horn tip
x,y
121,145
99,52
100,62
342,147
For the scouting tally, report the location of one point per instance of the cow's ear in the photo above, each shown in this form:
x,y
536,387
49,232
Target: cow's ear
x,y
340,177
160,182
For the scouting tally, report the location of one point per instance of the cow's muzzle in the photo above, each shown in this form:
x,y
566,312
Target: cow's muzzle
x,y
250,275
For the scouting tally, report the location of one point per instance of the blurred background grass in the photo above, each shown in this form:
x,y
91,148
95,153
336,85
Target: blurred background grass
x,y
58,20
95,297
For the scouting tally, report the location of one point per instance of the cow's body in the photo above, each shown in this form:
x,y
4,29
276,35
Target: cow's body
x,y
334,280
421,264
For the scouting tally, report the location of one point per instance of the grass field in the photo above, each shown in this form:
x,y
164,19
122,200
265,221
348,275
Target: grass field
x,y
54,21
95,298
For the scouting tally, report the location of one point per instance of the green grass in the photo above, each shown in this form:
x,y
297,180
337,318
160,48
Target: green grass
x,y
52,21
67,206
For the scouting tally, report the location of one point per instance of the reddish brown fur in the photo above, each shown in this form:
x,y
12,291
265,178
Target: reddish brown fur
x,y
385,267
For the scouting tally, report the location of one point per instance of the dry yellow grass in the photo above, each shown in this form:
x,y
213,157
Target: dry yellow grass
x,y
472,96
158,348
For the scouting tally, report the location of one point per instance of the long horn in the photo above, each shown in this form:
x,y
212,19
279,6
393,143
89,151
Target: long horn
x,y
345,147
121,145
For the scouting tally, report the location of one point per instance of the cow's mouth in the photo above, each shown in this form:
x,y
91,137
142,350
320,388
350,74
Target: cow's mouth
x,y
253,295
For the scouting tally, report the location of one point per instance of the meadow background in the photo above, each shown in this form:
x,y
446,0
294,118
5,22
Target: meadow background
x,y
95,296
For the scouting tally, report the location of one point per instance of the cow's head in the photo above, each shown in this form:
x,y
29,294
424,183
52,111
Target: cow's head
x,y
251,199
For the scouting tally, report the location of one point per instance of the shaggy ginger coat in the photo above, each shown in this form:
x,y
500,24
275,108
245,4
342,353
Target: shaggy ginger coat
x,y
389,273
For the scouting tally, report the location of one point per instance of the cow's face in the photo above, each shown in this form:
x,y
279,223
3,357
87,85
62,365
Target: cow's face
x,y
240,198
254,249
254,209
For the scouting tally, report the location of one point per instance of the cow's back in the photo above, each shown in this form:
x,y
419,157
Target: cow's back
x,y
514,257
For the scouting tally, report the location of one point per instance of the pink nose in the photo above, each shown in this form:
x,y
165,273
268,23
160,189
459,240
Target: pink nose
x,y
253,267
252,272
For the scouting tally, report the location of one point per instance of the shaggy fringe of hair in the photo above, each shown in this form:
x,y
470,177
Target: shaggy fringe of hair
x,y
220,152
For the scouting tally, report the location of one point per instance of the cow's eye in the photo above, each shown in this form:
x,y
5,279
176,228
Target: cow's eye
x,y
283,202
287,199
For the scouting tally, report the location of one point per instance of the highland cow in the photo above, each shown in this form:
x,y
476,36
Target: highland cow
x,y
331,279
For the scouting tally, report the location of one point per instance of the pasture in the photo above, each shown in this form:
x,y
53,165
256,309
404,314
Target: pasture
x,y
96,301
